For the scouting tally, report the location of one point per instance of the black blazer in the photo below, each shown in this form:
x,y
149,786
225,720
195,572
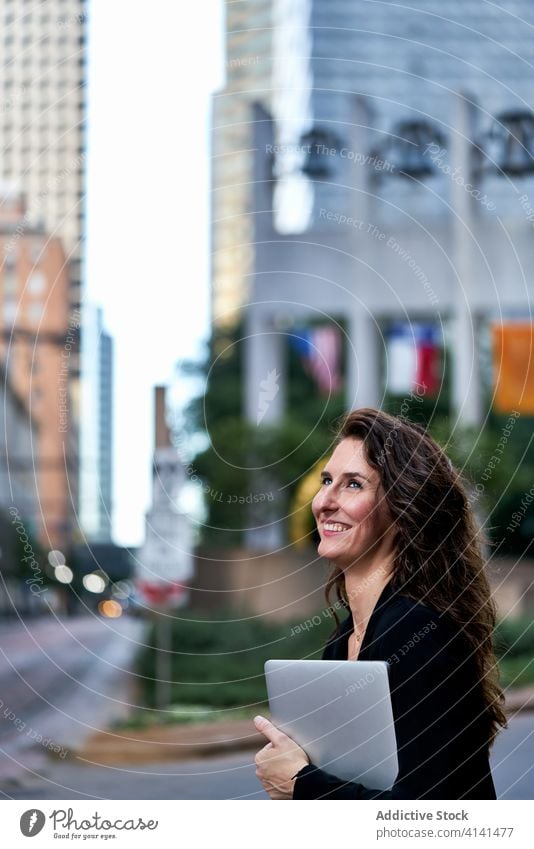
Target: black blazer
x,y
440,722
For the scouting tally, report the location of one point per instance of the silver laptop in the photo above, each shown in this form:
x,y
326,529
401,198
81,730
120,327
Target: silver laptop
x,y
340,713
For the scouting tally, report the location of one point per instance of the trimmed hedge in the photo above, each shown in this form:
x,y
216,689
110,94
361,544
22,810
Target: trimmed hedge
x,y
219,664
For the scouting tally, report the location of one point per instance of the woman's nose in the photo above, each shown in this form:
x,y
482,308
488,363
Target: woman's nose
x,y
326,499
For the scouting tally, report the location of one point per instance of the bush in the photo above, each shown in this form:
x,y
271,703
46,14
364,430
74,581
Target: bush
x,y
220,663
517,672
514,638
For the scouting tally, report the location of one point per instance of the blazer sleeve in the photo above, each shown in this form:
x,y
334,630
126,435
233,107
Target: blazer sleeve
x,y
436,709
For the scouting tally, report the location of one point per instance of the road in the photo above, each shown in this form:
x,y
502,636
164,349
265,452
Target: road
x,y
60,679
513,759
234,777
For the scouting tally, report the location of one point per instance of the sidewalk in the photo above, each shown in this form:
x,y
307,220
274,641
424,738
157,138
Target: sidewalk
x,y
170,742
519,700
185,742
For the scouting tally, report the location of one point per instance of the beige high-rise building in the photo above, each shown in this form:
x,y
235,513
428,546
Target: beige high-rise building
x,y
42,118
248,69
266,63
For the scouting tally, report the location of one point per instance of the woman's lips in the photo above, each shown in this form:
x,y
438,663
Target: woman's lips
x,y
330,532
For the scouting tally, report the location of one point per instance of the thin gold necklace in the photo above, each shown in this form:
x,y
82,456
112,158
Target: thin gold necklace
x,y
356,639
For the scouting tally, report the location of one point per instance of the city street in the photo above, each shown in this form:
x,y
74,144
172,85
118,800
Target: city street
x,y
266,331
60,679
234,777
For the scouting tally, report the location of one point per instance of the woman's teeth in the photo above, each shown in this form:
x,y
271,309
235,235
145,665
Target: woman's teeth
x,y
335,526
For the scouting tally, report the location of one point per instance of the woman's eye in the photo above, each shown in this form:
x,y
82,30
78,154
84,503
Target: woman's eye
x,y
326,480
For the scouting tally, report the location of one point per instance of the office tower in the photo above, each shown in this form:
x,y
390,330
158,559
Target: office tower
x,y
105,459
96,427
42,119
248,69
420,148
38,335
404,63
19,432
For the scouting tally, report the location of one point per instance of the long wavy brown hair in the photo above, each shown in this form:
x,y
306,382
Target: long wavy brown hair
x,y
438,557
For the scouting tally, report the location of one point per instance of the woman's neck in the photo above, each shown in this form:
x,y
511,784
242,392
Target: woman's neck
x,y
363,591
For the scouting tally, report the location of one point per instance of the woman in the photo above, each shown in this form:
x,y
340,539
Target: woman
x,y
395,522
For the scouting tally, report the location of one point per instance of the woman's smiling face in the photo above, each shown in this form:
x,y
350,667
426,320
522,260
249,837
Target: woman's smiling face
x,y
352,516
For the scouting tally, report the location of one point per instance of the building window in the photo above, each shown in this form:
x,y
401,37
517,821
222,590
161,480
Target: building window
x,y
36,250
10,312
36,283
35,312
10,259
10,282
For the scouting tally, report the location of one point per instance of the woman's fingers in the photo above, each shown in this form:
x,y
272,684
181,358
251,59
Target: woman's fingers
x,y
273,734
262,752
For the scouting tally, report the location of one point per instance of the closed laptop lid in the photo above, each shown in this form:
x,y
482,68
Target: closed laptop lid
x,y
340,713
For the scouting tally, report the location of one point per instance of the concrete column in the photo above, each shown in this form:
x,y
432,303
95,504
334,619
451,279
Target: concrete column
x,y
360,140
363,363
466,368
363,367
265,370
264,367
265,400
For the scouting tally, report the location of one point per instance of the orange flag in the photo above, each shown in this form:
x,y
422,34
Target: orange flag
x,y
513,367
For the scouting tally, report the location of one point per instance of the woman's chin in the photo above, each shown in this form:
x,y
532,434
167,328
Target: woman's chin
x,y
329,550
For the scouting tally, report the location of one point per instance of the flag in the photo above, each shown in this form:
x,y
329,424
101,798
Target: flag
x,y
320,351
413,360
513,367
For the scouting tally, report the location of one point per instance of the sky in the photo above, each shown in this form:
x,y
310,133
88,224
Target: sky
x,y
152,68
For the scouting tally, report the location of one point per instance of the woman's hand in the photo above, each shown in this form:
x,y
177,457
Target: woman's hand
x,y
279,761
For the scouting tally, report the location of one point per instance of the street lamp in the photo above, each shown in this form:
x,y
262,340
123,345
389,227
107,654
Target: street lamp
x,y
94,583
63,574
